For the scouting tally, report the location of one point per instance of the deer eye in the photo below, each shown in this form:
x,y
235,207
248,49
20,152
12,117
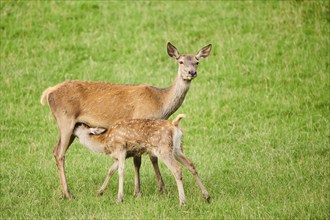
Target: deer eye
x,y
197,63
181,62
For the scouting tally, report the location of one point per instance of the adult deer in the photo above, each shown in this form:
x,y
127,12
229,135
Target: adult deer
x,y
100,104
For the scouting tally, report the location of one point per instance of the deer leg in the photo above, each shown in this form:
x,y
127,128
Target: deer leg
x,y
111,171
65,140
160,182
189,164
176,170
121,168
137,165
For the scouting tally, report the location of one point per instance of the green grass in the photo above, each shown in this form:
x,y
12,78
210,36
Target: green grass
x,y
257,125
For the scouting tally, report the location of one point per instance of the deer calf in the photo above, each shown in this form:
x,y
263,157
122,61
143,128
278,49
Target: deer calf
x,y
134,137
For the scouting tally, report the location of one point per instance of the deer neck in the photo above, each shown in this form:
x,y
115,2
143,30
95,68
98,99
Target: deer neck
x,y
174,96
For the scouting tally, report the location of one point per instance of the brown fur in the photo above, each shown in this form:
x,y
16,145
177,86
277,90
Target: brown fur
x,y
100,104
132,137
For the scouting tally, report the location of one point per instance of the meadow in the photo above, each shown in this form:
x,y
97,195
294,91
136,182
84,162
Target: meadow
x,y
257,125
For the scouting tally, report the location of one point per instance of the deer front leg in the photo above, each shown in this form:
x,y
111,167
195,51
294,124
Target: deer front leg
x,y
111,171
121,167
137,165
160,182
159,179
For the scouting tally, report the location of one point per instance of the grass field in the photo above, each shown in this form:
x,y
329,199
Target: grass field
x,y
257,125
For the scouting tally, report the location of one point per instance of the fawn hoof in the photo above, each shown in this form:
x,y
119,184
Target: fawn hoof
x,y
182,203
99,193
207,198
68,196
137,194
119,201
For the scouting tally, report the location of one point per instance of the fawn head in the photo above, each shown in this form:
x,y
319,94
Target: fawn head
x,y
188,63
82,129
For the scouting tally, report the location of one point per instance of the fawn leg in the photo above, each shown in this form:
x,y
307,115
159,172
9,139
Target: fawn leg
x,y
176,170
121,167
189,164
111,171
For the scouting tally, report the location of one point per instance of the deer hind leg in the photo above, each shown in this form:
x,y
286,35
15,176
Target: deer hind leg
x,y
176,170
189,164
65,140
111,171
160,182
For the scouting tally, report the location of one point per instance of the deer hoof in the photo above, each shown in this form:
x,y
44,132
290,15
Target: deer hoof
x,y
207,198
138,194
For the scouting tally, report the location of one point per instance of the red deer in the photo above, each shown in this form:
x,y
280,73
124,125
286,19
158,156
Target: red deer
x,y
100,104
134,137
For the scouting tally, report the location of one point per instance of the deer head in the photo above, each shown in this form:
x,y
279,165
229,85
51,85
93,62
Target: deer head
x,y
188,63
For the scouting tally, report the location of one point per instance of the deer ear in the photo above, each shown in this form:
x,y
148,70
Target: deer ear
x,y
204,52
172,51
97,131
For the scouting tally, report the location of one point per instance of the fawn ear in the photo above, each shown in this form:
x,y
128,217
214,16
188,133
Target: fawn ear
x,y
172,51
204,52
97,131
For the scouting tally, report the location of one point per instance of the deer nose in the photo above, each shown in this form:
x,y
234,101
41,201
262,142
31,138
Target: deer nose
x,y
193,73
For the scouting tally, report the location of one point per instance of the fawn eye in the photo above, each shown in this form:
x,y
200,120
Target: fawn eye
x,y
181,62
197,63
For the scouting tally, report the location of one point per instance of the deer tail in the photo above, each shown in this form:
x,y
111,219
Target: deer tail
x,y
44,96
177,119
